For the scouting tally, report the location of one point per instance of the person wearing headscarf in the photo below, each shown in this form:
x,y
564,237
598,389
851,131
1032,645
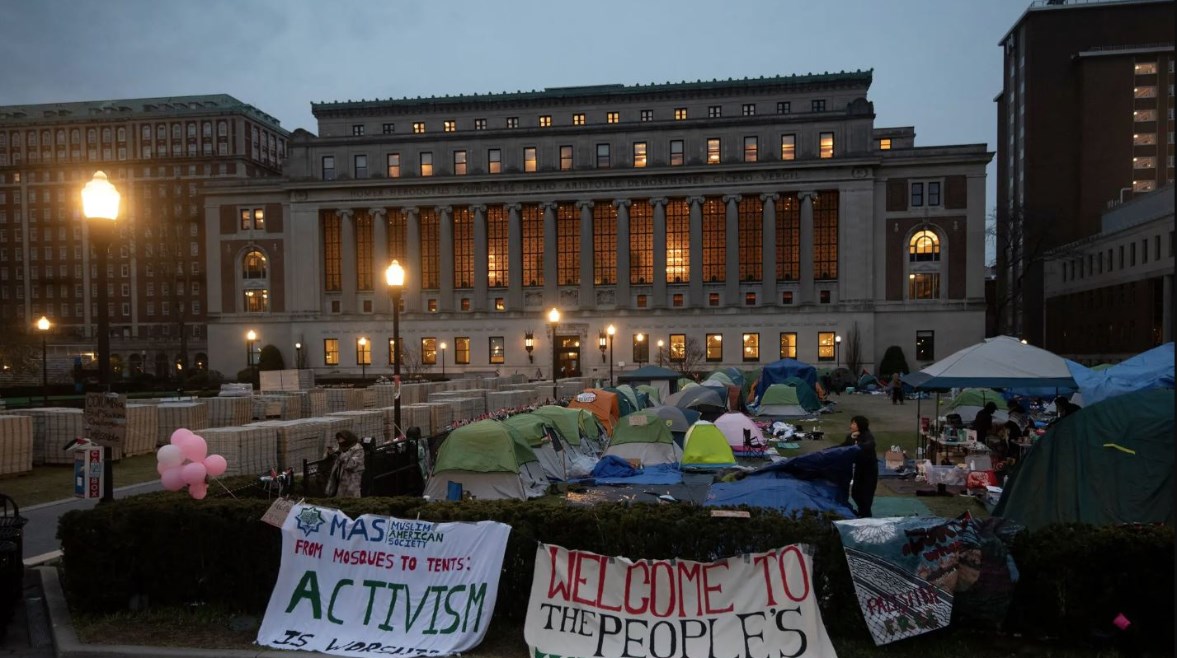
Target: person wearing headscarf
x,y
348,470
866,465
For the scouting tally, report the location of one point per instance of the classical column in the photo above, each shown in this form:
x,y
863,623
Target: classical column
x,y
659,252
696,278
481,262
515,259
587,299
805,255
412,260
347,242
622,290
731,263
551,257
768,258
380,301
445,256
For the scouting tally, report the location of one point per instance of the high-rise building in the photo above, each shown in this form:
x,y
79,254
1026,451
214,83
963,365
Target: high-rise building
x,y
1084,121
736,222
159,153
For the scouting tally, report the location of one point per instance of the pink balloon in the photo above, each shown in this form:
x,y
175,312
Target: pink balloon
x,y
169,455
198,491
181,435
195,448
161,468
172,479
193,473
216,465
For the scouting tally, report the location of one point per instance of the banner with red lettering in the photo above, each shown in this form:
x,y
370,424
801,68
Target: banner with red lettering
x,y
378,585
758,605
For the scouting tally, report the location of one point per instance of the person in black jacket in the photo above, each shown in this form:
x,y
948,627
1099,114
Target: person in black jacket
x,y
866,465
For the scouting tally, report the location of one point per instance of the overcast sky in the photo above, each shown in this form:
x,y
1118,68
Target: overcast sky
x,y
937,65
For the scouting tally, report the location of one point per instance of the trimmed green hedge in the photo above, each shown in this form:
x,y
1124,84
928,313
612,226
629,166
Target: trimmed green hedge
x,y
164,549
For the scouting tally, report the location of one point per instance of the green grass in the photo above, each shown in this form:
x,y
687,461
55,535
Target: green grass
x,y
55,482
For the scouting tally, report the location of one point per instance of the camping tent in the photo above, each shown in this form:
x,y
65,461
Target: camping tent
x,y
806,394
733,425
627,399
1147,370
971,400
1110,463
663,379
779,371
602,403
704,399
653,394
781,400
678,420
490,461
706,447
998,362
556,455
579,427
644,437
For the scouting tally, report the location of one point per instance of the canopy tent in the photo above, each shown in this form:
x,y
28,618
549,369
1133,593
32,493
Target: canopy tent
x,y
490,461
663,379
645,438
998,362
733,425
602,403
779,371
1147,370
706,447
1110,463
781,401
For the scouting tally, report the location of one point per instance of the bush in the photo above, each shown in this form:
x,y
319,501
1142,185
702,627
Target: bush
x,y
270,359
893,361
248,376
203,379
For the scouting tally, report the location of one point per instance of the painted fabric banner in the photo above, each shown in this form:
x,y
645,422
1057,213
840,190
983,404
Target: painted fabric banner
x,y
381,585
906,571
759,605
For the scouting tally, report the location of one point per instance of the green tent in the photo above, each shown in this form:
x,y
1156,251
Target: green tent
x,y
781,400
976,397
487,460
531,427
573,424
652,394
644,437
706,447
805,393
1110,463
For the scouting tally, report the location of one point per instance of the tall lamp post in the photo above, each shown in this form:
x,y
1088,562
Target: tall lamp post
x,y
100,206
363,342
641,341
442,346
395,277
611,330
837,352
661,353
298,356
250,340
43,326
554,319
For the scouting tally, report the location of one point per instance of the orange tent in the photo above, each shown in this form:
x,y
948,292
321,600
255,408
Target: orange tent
x,y
601,403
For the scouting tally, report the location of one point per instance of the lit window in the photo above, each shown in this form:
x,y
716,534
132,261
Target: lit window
x,y
480,124
751,347
429,351
923,246
449,126
578,119
1144,116
426,163
1144,139
566,158
602,156
529,159
330,351
923,285
460,163
677,300
1144,162
714,347
1145,68
678,348
713,150
613,117
500,303
825,346
1143,186
418,127
826,145
494,161
676,152
885,144
1144,91
788,147
253,266
647,115
639,154
750,149
394,165
545,121
512,122
680,113
788,345
363,352
498,349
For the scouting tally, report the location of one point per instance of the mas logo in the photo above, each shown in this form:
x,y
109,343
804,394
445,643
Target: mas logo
x,y
309,520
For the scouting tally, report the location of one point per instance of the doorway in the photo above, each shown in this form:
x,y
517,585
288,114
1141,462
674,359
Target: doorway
x,y
567,356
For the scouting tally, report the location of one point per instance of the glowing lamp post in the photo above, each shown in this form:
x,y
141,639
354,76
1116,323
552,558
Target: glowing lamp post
x,y
250,341
100,205
554,320
363,343
611,330
837,352
395,277
442,346
43,326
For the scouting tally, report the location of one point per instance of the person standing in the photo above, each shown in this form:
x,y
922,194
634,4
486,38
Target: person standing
x,y
348,471
866,465
896,389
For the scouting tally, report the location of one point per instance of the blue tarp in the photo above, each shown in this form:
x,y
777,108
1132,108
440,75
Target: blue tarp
x,y
612,469
818,481
777,373
1145,371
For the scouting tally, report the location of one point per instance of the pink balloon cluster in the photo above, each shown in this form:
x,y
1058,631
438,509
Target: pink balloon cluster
x,y
185,461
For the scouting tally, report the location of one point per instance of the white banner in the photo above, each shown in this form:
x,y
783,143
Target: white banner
x,y
586,605
379,585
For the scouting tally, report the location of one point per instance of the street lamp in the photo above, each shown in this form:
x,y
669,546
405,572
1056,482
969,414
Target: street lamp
x,y
837,352
395,277
610,330
363,342
298,356
100,206
661,353
43,326
554,319
442,346
529,344
250,340
641,339
602,342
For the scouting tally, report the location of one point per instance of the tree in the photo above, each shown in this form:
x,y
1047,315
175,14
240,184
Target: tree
x,y
20,351
893,361
164,244
411,365
854,350
270,359
692,355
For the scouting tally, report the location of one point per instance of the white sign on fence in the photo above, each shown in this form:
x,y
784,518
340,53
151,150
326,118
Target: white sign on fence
x,y
381,585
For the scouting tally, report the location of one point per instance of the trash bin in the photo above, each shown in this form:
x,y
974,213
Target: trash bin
x,y
11,556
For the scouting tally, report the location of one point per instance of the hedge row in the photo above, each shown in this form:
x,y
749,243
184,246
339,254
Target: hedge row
x,y
164,549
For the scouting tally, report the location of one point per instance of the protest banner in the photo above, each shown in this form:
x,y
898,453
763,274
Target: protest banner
x,y
378,585
586,605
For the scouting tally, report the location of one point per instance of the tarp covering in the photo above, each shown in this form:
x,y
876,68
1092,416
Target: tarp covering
x,y
619,471
1110,463
705,446
778,372
817,481
998,362
1147,370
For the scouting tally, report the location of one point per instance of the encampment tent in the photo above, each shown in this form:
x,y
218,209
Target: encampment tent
x,y
490,461
678,420
558,457
806,394
1147,370
779,371
579,427
998,362
817,481
971,400
706,447
734,425
602,403
663,379
703,399
1110,463
644,437
781,401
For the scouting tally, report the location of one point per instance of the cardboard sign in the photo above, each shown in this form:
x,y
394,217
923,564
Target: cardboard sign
x,y
106,418
278,511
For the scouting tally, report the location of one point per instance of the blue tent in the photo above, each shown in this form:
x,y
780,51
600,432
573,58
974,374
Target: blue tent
x,y
1145,371
778,372
817,481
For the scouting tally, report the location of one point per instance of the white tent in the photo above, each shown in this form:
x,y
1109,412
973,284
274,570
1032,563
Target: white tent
x,y
998,362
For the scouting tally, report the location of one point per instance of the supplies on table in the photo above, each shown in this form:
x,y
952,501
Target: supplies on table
x,y
948,475
895,458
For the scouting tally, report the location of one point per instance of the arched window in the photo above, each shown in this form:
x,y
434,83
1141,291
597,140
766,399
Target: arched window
x,y
254,265
924,246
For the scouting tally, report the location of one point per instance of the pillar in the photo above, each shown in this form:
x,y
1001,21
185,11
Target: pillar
x,y
481,262
622,299
697,300
551,256
805,252
586,297
347,242
412,264
731,263
659,252
445,254
768,241
515,259
381,303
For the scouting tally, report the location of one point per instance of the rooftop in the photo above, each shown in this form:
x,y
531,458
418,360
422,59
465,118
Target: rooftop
x,y
132,106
